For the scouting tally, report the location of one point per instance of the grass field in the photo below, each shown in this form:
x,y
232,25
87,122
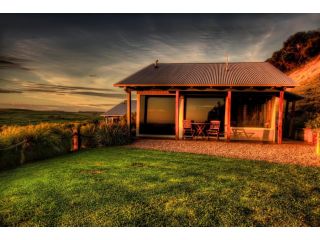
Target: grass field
x,y
24,117
120,186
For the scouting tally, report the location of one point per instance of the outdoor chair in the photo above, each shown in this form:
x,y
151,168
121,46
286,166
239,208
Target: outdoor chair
x,y
214,129
188,131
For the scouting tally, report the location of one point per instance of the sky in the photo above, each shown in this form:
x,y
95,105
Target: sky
x,y
71,61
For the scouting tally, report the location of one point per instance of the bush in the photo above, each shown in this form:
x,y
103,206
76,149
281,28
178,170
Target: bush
x,y
314,123
297,49
94,135
87,135
35,142
113,134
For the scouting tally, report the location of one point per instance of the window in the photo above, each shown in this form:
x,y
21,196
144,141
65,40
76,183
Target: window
x,y
204,109
251,111
158,116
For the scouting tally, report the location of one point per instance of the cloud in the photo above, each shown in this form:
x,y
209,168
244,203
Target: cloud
x,y
80,56
50,107
98,105
7,62
98,94
32,86
27,86
8,91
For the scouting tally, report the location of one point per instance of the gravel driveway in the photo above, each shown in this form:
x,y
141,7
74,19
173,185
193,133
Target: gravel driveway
x,y
288,152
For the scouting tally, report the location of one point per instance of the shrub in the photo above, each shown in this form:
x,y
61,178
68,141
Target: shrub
x,y
113,134
314,123
35,142
22,144
297,49
87,135
94,135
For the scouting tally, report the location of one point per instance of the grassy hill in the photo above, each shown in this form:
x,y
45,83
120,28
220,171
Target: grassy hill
x,y
297,50
24,117
308,78
299,58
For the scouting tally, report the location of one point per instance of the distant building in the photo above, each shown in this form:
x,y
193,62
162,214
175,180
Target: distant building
x,y
118,111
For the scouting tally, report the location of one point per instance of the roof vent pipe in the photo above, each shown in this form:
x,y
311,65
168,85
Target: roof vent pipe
x,y
156,63
227,62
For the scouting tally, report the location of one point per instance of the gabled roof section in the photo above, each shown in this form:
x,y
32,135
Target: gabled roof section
x,y
120,109
209,74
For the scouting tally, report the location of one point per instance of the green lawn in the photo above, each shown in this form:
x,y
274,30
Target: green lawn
x,y
130,187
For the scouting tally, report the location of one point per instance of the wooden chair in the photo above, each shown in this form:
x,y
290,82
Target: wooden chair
x,y
187,129
214,129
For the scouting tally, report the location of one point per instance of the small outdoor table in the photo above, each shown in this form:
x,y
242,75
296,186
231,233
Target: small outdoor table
x,y
200,128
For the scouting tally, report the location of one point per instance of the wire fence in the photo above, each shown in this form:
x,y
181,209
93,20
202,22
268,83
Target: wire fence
x,y
78,135
13,146
49,141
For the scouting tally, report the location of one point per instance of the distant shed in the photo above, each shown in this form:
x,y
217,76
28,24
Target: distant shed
x,y
118,111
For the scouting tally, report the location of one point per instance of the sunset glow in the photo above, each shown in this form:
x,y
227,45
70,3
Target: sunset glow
x,y
70,62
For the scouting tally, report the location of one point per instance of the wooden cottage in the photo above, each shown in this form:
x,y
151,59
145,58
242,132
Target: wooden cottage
x,y
247,99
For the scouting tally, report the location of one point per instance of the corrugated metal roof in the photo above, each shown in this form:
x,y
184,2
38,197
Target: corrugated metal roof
x,y
209,74
121,109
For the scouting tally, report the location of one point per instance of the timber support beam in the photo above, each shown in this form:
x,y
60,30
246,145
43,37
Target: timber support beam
x,y
129,110
177,115
228,114
280,117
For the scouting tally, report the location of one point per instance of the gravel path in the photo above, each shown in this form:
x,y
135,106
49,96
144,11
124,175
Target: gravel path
x,y
290,152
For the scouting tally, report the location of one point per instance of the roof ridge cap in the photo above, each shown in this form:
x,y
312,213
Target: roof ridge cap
x,y
204,62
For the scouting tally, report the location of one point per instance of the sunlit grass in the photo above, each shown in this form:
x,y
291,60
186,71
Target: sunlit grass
x,y
27,117
119,186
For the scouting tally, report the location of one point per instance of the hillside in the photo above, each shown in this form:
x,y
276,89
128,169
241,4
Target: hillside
x,y
24,116
298,49
308,78
299,58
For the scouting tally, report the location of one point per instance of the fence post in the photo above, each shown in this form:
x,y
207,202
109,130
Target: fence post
x,y
318,144
22,152
75,140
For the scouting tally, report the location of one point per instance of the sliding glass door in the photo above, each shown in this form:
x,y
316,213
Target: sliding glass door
x,y
205,109
251,110
158,116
